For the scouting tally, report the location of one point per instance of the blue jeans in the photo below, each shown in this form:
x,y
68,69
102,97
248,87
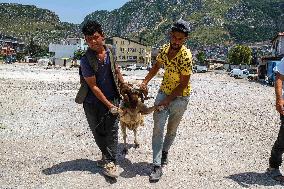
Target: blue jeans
x,y
173,113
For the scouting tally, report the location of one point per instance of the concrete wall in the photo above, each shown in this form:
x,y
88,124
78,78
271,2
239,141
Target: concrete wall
x,y
60,62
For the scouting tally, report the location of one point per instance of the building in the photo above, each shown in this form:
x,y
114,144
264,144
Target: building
x,y
64,51
130,52
66,48
11,46
267,63
278,45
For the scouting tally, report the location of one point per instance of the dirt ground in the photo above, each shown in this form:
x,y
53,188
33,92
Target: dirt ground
x,y
223,141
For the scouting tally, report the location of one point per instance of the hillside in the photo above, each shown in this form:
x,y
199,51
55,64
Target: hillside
x,y
25,22
213,22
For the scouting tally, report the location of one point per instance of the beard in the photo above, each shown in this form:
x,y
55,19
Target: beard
x,y
175,46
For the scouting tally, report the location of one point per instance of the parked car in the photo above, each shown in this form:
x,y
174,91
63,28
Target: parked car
x,y
235,72
253,74
242,74
199,68
130,67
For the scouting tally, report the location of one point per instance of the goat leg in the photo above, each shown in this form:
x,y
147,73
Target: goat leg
x,y
135,139
123,129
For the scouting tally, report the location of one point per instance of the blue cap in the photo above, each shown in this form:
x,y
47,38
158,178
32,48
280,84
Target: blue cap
x,y
181,25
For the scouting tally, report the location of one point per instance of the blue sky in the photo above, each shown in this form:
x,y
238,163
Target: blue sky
x,y
73,11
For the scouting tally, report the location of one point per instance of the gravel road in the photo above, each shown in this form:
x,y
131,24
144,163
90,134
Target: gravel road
x,y
223,141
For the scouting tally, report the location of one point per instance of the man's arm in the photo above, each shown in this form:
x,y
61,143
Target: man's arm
x,y
184,79
143,109
278,92
91,81
153,71
119,75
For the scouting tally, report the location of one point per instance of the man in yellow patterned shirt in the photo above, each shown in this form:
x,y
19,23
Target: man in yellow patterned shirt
x,y
173,95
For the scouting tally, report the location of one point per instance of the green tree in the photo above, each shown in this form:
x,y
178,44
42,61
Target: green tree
x,y
240,54
201,56
78,54
20,56
35,50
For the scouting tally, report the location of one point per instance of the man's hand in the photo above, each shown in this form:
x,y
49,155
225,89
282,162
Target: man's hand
x,y
159,108
279,106
115,110
164,103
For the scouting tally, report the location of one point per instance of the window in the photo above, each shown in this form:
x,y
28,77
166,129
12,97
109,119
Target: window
x,y
132,57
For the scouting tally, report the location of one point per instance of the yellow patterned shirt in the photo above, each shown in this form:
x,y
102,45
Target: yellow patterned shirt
x,y
181,64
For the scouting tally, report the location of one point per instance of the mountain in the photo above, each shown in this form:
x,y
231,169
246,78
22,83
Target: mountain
x,y
212,21
25,22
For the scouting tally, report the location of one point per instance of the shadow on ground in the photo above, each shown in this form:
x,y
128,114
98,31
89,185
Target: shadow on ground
x,y
131,169
77,165
248,179
128,168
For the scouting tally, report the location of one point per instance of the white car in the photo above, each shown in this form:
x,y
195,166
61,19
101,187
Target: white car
x,y
199,68
242,74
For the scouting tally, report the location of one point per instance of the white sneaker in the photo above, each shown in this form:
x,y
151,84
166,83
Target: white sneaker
x,y
110,169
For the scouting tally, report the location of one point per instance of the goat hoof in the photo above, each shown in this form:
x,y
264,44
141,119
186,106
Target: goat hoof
x,y
124,151
136,145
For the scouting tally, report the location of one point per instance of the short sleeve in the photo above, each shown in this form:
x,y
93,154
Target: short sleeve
x,y
162,55
86,69
159,56
186,66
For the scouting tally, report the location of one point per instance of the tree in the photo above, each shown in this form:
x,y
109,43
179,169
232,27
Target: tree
x,y
201,56
240,54
20,56
35,50
78,54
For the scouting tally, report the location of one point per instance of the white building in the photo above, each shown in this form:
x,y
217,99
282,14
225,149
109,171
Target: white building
x,y
67,47
64,52
278,45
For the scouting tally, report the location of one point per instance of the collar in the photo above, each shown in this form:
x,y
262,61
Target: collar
x,y
179,52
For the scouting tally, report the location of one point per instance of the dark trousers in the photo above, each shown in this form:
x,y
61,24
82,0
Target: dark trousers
x,y
104,126
275,159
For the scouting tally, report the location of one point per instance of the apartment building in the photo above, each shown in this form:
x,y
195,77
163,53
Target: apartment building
x,y
67,47
64,51
278,45
130,52
11,46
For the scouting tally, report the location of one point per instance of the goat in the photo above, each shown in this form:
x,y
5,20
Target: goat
x,y
132,112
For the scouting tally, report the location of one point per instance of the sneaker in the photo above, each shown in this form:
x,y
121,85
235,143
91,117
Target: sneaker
x,y
156,174
275,174
110,170
164,160
101,163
